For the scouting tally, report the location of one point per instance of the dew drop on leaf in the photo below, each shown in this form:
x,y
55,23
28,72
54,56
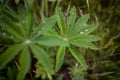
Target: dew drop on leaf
x,y
11,37
81,32
23,21
4,34
86,30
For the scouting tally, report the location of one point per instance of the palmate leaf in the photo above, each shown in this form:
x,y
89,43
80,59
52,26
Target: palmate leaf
x,y
42,57
59,58
9,54
42,28
25,63
78,56
51,41
61,21
71,19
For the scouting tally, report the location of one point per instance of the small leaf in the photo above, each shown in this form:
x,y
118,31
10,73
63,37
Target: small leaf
x,y
83,20
3,3
52,41
30,22
71,19
12,28
84,44
87,38
42,28
59,58
61,21
25,63
78,56
86,29
9,54
9,13
42,57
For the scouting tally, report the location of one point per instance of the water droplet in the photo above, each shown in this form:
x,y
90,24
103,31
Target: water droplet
x,y
81,32
23,21
86,30
4,34
11,37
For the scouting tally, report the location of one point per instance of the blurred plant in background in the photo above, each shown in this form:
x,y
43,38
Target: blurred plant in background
x,y
102,64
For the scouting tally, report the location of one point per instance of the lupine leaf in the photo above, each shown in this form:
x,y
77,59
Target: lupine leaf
x,y
71,19
87,38
9,54
3,3
25,63
42,28
82,20
86,29
61,20
84,44
52,41
78,56
59,58
29,22
42,57
22,21
12,28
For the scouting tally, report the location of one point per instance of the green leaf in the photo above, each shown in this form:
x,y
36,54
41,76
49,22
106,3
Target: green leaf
x,y
61,21
42,57
71,19
78,57
59,58
3,3
30,2
30,22
87,38
12,28
52,41
17,1
9,54
86,29
42,28
83,20
22,21
9,13
84,44
25,63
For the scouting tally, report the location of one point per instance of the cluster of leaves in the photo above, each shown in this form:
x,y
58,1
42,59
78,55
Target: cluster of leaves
x,y
30,40
104,63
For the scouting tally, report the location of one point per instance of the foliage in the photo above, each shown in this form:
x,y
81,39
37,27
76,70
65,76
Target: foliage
x,y
44,37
